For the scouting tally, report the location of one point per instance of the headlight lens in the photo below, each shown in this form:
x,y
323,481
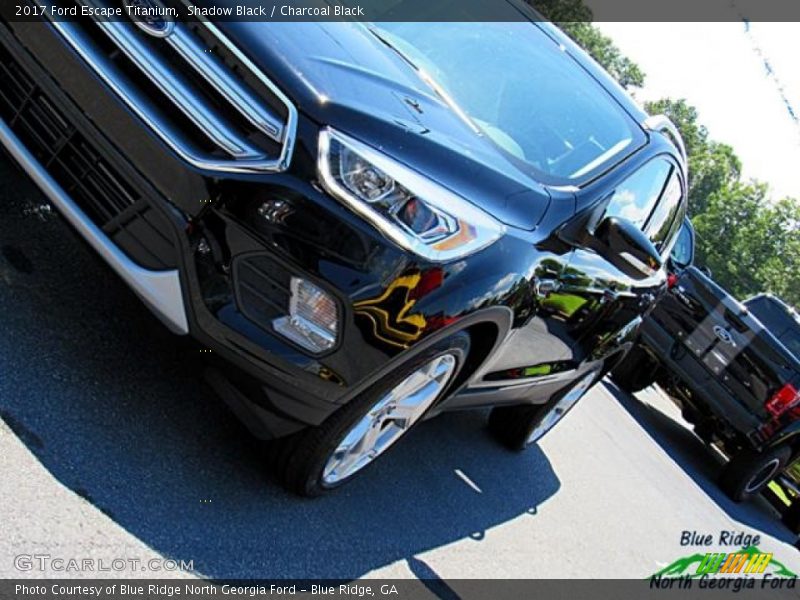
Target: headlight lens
x,y
411,210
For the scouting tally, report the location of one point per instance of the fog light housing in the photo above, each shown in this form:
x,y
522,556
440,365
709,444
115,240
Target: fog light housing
x,y
313,320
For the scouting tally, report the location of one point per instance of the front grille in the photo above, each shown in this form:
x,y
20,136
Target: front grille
x,y
193,88
262,288
66,154
108,198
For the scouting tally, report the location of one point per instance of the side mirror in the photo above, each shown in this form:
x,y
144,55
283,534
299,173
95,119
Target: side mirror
x,y
626,247
706,271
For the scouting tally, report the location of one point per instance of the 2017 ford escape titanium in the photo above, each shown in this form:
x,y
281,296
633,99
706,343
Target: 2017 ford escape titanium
x,y
368,223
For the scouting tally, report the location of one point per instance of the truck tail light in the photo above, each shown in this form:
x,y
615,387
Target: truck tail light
x,y
672,279
784,399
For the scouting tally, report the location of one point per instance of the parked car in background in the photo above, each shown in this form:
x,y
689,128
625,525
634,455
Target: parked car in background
x,y
733,368
367,224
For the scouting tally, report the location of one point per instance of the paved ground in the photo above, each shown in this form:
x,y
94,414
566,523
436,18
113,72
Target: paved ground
x,y
111,447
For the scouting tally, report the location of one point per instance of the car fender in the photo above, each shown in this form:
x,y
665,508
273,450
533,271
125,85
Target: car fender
x,y
501,317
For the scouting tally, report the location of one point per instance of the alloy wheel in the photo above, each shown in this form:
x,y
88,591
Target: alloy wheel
x,y
562,406
389,418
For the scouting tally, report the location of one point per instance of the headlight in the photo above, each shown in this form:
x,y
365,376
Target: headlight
x,y
411,210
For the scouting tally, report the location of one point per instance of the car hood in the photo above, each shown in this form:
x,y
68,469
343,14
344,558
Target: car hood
x,y
340,75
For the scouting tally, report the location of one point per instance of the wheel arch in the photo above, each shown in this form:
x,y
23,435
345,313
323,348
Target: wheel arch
x,y
487,328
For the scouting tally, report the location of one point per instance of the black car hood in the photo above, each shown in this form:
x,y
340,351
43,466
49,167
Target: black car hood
x,y
341,75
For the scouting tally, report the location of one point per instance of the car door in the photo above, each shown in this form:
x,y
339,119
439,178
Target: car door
x,y
607,303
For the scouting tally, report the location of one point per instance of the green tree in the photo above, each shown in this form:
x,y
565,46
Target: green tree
x,y
712,165
778,234
563,11
725,236
685,117
750,244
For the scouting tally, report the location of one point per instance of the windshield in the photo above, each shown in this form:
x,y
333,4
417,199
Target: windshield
x,y
523,91
779,320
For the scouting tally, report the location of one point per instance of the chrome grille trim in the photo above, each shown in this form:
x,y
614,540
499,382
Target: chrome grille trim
x,y
177,91
224,82
160,290
243,156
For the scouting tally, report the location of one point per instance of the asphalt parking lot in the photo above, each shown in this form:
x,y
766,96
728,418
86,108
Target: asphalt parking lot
x,y
111,446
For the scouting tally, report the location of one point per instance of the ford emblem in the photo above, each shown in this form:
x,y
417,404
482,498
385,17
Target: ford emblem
x,y
724,335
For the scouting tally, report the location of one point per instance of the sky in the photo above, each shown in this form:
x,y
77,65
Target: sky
x,y
743,79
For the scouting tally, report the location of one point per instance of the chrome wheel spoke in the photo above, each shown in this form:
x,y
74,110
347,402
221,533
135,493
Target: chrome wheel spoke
x,y
347,449
389,418
368,443
404,415
409,409
409,387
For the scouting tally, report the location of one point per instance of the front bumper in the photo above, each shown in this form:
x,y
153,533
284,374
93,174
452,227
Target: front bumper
x,y
189,244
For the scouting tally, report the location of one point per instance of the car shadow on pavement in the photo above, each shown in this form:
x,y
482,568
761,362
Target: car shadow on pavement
x,y
115,409
701,463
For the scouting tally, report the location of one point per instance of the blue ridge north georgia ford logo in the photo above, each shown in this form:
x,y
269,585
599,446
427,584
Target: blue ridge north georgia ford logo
x,y
151,16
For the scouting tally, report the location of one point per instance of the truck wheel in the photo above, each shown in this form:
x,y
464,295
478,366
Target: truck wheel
x,y
748,472
636,371
517,427
321,458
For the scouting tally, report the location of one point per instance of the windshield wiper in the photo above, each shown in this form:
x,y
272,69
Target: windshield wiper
x,y
428,79
388,43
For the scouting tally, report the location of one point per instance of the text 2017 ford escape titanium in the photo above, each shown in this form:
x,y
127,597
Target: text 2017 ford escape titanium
x,y
370,223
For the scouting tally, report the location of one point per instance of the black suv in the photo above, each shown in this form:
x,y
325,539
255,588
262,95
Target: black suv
x,y
733,368
367,224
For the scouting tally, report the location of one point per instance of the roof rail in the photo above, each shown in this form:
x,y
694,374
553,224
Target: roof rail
x,y
664,125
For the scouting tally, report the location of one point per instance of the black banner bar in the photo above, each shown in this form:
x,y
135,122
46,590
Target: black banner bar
x,y
707,587
411,10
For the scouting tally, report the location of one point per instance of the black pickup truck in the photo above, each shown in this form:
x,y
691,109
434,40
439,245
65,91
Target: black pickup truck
x,y
733,368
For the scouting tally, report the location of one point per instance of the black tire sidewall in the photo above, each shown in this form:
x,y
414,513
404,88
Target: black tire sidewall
x,y
513,425
546,408
748,464
635,371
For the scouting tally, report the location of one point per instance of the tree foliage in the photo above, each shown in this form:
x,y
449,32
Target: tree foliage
x,y
603,50
712,165
750,243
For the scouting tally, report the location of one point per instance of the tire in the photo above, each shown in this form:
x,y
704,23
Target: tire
x,y
748,472
515,427
306,463
636,372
